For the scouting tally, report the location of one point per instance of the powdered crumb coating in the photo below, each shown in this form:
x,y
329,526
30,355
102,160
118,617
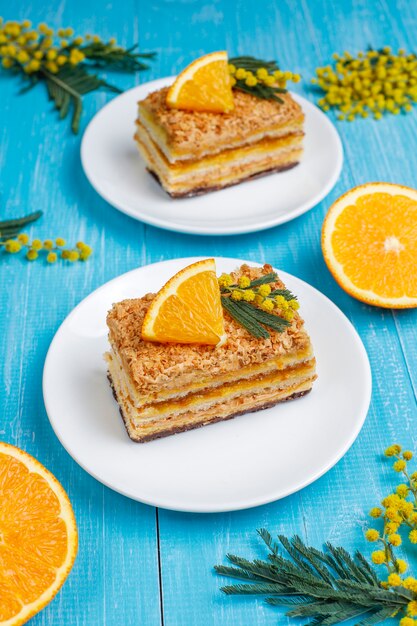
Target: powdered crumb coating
x,y
186,129
155,365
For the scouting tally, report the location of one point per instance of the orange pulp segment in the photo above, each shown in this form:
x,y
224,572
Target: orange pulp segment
x,y
38,536
369,242
188,308
203,86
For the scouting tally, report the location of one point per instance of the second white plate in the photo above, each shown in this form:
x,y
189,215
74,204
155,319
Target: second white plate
x,y
241,463
114,167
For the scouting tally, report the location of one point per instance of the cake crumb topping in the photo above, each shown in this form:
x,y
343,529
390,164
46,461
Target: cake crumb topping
x,y
251,115
152,365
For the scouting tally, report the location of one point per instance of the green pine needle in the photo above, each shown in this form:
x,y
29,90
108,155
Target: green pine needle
x,y
248,315
106,55
264,280
323,587
239,314
67,87
264,317
253,319
285,293
10,228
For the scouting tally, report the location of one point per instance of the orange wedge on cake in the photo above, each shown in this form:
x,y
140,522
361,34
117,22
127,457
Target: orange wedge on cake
x,y
204,85
188,308
369,243
38,536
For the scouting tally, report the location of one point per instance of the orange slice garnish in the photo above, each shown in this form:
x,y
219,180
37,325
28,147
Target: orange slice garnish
x,y
38,536
203,86
369,242
188,308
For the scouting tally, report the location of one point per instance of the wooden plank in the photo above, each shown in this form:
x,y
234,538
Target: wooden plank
x,y
335,507
115,579
40,169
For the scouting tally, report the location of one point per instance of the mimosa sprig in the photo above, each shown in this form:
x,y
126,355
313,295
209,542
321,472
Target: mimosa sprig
x,y
251,302
330,586
263,79
63,62
13,241
368,84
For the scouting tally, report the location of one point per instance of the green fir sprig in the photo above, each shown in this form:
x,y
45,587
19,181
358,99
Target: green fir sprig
x,y
251,302
323,587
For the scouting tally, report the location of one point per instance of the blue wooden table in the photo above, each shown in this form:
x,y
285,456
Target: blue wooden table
x,y
138,565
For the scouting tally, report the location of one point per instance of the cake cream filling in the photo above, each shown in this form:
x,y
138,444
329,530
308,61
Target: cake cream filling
x,y
182,386
143,430
244,154
219,174
160,138
201,402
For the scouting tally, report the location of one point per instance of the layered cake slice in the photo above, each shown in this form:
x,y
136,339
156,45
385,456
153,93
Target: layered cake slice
x,y
167,388
195,151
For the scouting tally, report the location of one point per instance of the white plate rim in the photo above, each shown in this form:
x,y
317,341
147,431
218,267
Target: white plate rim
x,y
254,502
195,230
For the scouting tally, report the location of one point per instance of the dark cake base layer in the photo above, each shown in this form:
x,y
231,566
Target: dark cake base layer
x,y
213,420
198,191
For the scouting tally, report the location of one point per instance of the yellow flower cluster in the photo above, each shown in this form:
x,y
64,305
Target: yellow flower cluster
x,y
261,77
247,296
372,535
36,49
81,252
396,512
372,83
225,280
394,580
262,296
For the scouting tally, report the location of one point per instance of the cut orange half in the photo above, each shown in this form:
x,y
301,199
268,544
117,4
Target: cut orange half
x,y
203,86
369,243
188,308
38,536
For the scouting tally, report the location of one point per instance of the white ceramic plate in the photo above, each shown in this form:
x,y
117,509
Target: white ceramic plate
x,y
250,460
114,167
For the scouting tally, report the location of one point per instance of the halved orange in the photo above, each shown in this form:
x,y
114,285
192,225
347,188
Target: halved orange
x,y
369,243
203,86
188,308
38,536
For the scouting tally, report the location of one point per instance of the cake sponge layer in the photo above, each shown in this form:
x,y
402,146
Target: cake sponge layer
x,y
206,381
194,134
201,401
229,410
226,168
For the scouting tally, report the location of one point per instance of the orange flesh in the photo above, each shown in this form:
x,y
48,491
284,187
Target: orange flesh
x,y
201,293
194,314
375,240
208,90
33,536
